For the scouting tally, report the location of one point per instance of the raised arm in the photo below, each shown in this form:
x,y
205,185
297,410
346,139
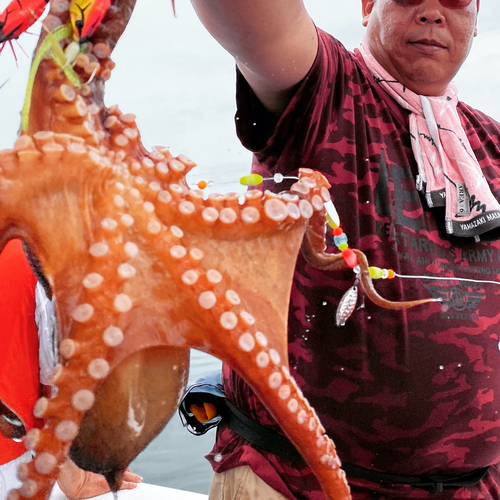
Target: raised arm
x,y
274,43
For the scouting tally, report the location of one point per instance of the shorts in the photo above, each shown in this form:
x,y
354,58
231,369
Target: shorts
x,y
241,483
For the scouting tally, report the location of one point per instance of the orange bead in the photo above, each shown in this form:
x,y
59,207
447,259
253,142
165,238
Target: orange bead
x,y
338,231
391,274
202,184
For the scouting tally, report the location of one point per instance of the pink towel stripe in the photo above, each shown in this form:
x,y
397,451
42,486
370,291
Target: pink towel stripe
x,y
448,171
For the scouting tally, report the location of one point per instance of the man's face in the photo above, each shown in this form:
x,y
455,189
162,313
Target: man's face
x,y
423,46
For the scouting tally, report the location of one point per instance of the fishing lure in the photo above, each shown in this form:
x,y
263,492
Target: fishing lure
x,y
86,16
18,16
50,45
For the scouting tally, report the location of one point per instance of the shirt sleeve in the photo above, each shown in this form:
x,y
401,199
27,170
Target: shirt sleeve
x,y
283,144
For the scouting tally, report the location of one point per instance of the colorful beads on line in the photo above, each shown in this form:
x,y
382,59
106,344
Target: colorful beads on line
x,y
251,180
256,179
378,273
340,240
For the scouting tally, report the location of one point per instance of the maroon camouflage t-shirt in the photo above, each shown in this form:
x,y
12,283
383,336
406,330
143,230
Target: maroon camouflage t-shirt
x,y
401,392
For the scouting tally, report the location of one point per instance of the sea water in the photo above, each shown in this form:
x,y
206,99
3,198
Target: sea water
x,y
176,457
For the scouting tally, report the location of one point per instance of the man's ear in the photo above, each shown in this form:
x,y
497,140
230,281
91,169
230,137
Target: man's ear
x,y
367,7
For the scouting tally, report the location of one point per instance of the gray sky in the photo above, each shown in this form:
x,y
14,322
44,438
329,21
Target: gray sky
x,y
180,83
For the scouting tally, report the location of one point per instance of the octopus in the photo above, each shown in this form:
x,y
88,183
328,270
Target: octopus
x,y
143,268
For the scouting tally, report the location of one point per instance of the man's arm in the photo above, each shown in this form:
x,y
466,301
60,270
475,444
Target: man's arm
x,y
274,43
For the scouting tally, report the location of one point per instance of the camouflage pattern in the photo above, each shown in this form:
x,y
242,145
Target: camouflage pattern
x,y
401,392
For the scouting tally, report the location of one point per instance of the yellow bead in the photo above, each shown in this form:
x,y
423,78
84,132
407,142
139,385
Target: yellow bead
x,y
330,221
343,247
251,180
375,272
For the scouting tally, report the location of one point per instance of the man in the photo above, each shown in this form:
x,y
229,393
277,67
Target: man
x,y
27,356
410,398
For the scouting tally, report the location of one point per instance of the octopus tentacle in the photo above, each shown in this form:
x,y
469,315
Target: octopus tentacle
x,y
314,252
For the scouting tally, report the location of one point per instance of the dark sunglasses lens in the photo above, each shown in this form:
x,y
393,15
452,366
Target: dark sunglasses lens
x,y
455,4
408,3
451,4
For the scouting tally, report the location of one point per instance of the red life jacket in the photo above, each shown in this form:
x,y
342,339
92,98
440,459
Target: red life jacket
x,y
19,351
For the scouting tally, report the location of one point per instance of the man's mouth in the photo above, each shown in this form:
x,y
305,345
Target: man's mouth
x,y
428,43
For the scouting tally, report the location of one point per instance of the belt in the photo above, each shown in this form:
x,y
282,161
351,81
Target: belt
x,y
279,445
210,390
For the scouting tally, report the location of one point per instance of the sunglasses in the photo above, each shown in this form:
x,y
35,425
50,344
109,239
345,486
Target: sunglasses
x,y
450,4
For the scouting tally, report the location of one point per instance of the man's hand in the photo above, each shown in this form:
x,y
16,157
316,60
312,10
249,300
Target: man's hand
x,y
76,483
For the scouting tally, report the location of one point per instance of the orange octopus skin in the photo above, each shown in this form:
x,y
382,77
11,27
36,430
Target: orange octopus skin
x,y
144,268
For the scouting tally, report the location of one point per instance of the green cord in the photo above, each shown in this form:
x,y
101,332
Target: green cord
x,y
50,44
